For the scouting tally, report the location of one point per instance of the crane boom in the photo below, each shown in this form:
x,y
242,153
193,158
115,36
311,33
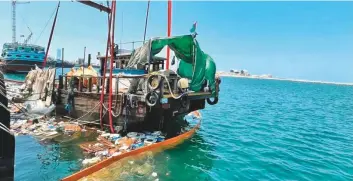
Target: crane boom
x,y
14,2
28,38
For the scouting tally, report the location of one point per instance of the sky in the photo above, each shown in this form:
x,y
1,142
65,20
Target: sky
x,y
303,40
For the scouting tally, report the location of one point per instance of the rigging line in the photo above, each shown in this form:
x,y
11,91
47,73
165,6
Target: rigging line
x,y
6,130
45,26
148,9
23,19
5,127
122,28
11,102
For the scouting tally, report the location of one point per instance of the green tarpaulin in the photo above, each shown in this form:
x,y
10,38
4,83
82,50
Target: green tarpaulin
x,y
194,63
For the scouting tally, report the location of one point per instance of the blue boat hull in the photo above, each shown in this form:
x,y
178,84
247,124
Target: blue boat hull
x,y
21,66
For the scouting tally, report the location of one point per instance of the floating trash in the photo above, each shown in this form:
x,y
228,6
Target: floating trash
x,y
150,141
132,135
91,161
160,138
156,133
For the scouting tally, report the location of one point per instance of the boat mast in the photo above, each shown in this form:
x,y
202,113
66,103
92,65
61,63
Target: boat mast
x,y
14,2
169,29
51,35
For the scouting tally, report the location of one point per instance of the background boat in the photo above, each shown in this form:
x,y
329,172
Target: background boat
x,y
20,57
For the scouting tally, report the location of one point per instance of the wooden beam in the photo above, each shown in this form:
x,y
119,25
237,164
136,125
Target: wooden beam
x,y
95,5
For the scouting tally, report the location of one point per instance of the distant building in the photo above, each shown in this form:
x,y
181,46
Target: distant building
x,y
58,55
235,71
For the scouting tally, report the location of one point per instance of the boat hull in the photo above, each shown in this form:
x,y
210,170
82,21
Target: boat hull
x,y
21,66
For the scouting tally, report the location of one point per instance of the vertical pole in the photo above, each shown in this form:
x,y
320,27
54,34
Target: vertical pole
x,y
13,21
169,29
84,59
62,61
148,9
89,60
104,62
51,35
111,67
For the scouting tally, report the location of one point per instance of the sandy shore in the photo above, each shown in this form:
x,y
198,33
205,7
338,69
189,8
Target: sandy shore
x,y
283,79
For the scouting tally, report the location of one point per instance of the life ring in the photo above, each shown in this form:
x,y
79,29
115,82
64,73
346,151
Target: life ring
x,y
151,98
153,82
215,100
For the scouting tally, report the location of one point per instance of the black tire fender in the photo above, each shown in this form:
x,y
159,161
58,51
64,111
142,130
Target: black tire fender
x,y
215,101
151,98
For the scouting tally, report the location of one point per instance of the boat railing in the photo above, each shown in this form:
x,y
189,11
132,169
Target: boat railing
x,y
85,83
121,84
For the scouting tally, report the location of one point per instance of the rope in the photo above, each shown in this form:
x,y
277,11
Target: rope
x,y
7,131
4,126
11,102
169,87
89,112
7,109
45,26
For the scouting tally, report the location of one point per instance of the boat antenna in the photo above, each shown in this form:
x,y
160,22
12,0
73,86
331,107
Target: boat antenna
x,y
14,2
148,9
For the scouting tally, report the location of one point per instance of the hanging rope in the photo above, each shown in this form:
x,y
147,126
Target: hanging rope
x,y
45,26
148,9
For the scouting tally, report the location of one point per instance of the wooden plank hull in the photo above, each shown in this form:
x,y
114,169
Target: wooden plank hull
x,y
154,147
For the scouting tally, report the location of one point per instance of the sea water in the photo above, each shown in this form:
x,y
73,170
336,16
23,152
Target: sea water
x,y
259,130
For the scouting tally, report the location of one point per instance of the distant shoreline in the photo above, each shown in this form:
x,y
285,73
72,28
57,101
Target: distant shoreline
x,y
284,79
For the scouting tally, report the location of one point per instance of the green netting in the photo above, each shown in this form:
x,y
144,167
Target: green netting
x,y
194,63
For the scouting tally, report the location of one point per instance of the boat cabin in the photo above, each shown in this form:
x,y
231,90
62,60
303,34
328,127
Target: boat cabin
x,y
121,60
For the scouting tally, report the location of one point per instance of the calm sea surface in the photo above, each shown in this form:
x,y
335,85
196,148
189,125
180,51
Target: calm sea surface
x,y
260,130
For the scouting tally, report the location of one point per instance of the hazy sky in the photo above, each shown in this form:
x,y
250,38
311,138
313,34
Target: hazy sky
x,y
307,40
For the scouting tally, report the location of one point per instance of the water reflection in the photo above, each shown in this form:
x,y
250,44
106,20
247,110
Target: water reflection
x,y
193,157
